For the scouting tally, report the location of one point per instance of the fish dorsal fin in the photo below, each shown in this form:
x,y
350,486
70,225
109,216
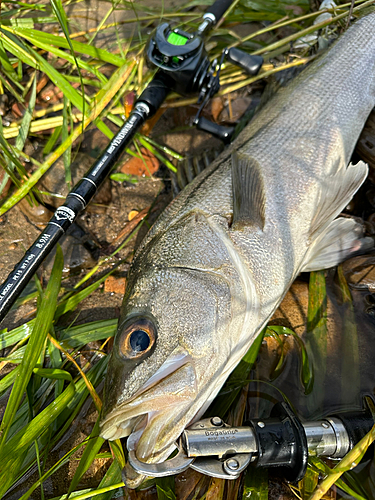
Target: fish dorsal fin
x,y
336,192
248,192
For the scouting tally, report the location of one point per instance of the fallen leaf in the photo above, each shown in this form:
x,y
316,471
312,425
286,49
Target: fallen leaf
x,y
217,107
146,167
132,214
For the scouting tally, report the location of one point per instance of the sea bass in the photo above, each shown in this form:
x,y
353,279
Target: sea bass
x,y
219,260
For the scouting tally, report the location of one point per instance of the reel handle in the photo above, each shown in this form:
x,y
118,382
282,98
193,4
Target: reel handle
x,y
251,64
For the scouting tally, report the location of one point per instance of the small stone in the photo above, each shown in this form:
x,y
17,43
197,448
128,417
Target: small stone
x,y
3,104
37,214
12,246
235,109
114,285
359,272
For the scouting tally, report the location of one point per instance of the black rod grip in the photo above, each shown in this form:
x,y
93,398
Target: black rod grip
x,y
155,93
218,9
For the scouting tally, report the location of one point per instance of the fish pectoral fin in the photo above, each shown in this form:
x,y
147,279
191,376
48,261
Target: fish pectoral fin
x,y
341,239
336,192
248,192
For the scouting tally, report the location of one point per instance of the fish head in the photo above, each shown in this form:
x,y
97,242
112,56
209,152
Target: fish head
x,y
169,356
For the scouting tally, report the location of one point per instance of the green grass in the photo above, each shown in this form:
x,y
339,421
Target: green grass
x,y
48,387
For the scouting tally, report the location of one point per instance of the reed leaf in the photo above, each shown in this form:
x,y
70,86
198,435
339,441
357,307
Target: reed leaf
x,y
57,41
25,125
15,448
111,477
38,39
35,345
94,443
238,378
255,484
22,332
102,99
316,339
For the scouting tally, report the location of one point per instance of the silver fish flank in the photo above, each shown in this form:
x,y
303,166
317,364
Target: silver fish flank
x,y
219,260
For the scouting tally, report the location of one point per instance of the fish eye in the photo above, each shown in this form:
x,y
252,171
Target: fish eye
x,y
137,338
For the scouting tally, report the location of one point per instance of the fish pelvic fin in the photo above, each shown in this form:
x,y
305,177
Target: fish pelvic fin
x,y
248,192
341,239
333,241
336,192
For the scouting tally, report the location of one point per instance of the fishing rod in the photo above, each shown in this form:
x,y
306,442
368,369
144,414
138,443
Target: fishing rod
x,y
184,67
281,442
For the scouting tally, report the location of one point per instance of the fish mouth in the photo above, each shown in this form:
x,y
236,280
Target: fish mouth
x,y
159,408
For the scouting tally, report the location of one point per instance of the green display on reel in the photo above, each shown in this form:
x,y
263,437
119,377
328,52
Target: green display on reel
x,y
176,39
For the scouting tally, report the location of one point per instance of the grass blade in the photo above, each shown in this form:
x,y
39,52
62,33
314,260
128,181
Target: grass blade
x,y
35,345
92,448
61,16
237,380
67,155
71,303
37,40
89,332
8,380
15,447
316,339
255,484
5,63
350,360
58,41
102,99
13,336
25,125
112,477
51,471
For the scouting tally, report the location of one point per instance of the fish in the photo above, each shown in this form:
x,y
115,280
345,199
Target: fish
x,y
217,263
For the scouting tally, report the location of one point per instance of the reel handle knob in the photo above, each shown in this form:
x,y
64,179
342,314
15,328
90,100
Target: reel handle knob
x,y
251,64
219,131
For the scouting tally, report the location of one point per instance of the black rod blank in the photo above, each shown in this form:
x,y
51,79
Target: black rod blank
x,y
76,201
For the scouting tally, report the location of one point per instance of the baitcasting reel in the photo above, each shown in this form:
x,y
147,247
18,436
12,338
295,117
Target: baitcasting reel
x,y
183,60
